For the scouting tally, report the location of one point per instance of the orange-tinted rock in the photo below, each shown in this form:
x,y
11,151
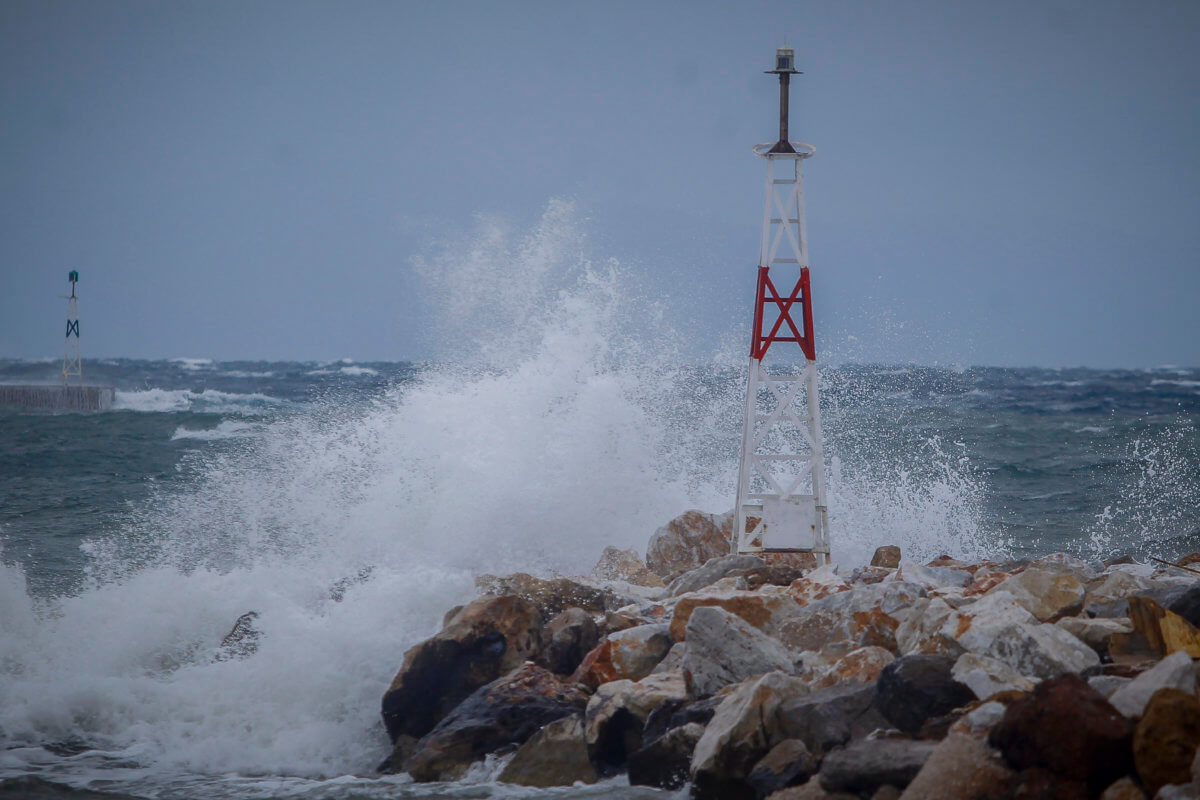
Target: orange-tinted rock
x,y
629,654
886,556
1165,631
858,666
1166,739
817,585
803,561
688,541
550,596
625,565
767,612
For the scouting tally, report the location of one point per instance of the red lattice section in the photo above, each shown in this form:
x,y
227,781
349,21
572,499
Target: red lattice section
x,y
766,295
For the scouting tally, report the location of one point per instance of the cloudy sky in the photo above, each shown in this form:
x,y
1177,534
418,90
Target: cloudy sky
x,y
1010,183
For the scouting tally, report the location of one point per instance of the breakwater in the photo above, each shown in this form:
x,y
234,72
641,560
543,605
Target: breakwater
x,y
47,397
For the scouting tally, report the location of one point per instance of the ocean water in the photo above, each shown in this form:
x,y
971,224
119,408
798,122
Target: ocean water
x,y
132,539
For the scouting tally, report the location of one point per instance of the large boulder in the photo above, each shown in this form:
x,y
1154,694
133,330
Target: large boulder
x,y
962,768
915,688
722,649
1095,632
664,762
505,712
712,571
1166,739
554,756
486,640
828,718
743,730
862,665
616,716
919,632
974,626
985,676
1067,727
1046,593
625,565
567,638
788,763
1042,651
551,596
767,611
630,654
687,542
864,766
1176,671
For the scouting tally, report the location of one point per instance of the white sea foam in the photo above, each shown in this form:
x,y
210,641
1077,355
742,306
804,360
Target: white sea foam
x,y
356,372
165,400
227,429
556,434
193,363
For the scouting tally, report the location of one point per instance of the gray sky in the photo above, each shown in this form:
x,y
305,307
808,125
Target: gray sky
x,y
1010,183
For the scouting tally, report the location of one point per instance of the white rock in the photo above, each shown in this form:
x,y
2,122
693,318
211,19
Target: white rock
x,y
918,631
985,676
1095,632
1107,684
1042,651
1175,671
932,577
975,626
1045,593
987,715
722,648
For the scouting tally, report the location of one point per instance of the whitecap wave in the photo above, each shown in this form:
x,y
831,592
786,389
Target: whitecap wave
x,y
210,400
227,429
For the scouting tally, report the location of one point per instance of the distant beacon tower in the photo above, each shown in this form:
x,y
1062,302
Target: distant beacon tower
x,y
781,480
72,363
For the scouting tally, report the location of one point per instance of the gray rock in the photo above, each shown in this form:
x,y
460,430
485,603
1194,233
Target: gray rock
x,y
665,762
1042,651
1107,684
672,661
1176,671
787,764
1045,593
710,572
722,649
829,718
962,768
554,756
616,716
973,627
568,637
985,676
865,765
1097,632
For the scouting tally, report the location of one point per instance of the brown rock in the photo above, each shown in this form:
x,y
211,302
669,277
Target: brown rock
x,y
771,575
786,764
1166,739
961,768
802,561
506,711
817,585
555,756
1039,783
1124,789
1165,631
688,541
767,612
487,639
624,565
1045,593
1069,728
551,596
627,655
567,638
886,556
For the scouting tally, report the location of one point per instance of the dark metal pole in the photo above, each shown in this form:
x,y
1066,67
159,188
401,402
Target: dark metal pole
x,y
784,84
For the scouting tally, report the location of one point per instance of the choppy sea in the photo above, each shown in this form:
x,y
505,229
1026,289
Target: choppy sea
x,y
132,539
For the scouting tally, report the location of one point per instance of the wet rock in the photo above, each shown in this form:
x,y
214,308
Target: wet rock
x,y
665,761
712,571
765,611
828,718
625,565
687,542
1166,739
505,712
242,640
1107,595
1069,728
554,756
1047,594
886,556
788,763
1176,671
962,768
630,654
1095,633
915,688
677,713
488,638
1187,605
985,676
568,637
550,596
865,765
743,730
1042,651
616,716
863,665
722,649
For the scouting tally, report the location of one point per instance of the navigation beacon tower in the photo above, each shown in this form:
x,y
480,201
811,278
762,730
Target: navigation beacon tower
x,y
72,362
781,480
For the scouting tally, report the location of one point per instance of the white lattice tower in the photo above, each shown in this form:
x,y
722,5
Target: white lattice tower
x,y
781,480
72,360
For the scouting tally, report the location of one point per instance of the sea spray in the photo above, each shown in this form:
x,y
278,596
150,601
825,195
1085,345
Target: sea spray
x,y
554,426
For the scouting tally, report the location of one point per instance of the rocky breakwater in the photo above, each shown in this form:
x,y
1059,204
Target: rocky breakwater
x,y
1046,678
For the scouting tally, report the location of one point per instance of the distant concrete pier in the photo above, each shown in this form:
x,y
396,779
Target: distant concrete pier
x,y
48,397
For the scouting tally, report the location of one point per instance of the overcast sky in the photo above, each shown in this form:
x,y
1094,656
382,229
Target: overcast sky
x,y
1008,183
